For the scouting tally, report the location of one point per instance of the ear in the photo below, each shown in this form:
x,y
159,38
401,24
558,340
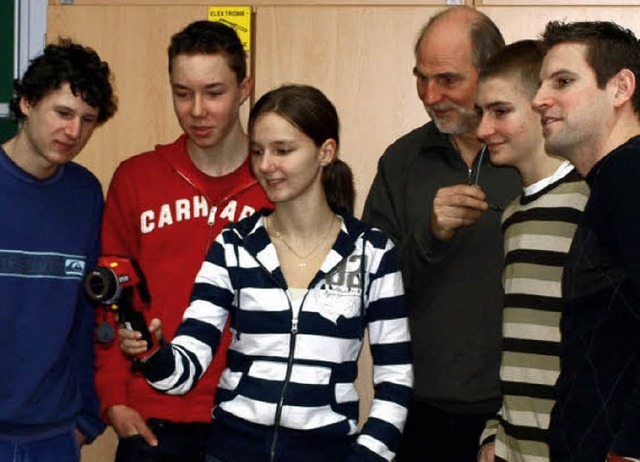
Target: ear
x,y
245,89
328,152
624,86
25,107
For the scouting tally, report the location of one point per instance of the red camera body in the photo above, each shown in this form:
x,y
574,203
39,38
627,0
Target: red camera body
x,y
118,282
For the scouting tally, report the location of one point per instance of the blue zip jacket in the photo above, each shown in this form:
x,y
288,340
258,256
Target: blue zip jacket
x,y
288,391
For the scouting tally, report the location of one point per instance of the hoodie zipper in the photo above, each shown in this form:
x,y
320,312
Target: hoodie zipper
x,y
287,378
292,345
211,218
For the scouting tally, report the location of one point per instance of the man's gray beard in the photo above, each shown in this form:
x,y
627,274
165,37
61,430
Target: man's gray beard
x,y
466,122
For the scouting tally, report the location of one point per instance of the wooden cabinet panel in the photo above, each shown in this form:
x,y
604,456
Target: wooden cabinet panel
x,y
263,2
521,22
103,449
361,57
556,3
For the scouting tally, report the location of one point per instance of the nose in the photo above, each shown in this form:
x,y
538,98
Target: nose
x,y
429,92
486,128
197,107
541,100
265,162
73,128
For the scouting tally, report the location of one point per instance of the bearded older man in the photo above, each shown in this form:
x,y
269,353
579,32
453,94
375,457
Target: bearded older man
x,y
438,196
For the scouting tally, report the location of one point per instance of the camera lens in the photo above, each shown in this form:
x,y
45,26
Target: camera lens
x,y
101,285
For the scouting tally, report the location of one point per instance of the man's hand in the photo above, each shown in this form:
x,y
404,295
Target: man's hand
x,y
455,207
127,421
487,453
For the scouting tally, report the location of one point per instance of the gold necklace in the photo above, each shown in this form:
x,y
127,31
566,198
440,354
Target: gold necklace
x,y
302,263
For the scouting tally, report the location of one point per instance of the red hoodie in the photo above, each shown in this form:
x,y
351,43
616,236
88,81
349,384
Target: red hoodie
x,y
164,213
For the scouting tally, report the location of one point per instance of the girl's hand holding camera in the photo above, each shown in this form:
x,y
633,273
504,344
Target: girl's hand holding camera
x,y
131,342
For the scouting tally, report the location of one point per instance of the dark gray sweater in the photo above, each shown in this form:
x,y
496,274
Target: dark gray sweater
x,y
454,288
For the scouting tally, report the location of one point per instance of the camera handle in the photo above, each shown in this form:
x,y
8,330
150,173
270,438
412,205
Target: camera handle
x,y
131,318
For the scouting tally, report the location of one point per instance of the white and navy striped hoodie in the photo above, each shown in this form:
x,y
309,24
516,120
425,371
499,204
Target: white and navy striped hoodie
x,y
288,391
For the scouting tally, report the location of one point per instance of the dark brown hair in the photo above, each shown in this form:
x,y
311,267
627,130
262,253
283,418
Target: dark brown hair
x,y
210,38
311,112
522,59
67,62
610,48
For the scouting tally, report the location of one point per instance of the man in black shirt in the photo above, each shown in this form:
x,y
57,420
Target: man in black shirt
x,y
589,101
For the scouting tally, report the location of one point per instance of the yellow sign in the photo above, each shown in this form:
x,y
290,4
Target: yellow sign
x,y
236,17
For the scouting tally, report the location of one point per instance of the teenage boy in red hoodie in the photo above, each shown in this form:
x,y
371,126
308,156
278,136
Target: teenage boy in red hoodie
x,y
163,210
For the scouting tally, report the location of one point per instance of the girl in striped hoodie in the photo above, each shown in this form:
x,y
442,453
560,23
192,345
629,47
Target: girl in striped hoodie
x,y
298,287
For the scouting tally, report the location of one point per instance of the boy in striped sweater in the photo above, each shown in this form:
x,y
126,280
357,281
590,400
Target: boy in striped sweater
x,y
538,228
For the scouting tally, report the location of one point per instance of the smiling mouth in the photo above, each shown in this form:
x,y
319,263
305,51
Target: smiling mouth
x,y
201,130
439,113
271,182
65,146
548,120
493,146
